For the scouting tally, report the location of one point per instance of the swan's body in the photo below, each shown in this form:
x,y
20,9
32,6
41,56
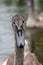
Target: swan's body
x,y
28,57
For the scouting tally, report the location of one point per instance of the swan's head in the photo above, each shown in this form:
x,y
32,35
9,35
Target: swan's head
x,y
18,24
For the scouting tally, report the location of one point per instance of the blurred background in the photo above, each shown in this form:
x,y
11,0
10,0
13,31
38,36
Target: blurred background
x,y
9,8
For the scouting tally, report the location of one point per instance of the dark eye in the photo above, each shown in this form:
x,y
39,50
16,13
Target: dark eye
x,y
23,21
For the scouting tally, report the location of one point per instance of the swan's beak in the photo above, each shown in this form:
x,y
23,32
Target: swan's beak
x,y
20,38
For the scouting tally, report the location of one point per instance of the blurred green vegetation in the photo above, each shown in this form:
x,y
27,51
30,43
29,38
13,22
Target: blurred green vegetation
x,y
15,2
40,5
8,2
38,45
21,3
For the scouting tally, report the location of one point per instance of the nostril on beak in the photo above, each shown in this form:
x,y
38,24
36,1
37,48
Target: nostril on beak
x,y
21,46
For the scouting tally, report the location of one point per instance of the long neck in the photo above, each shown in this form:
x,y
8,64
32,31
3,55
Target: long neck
x,y
31,13
19,55
31,8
